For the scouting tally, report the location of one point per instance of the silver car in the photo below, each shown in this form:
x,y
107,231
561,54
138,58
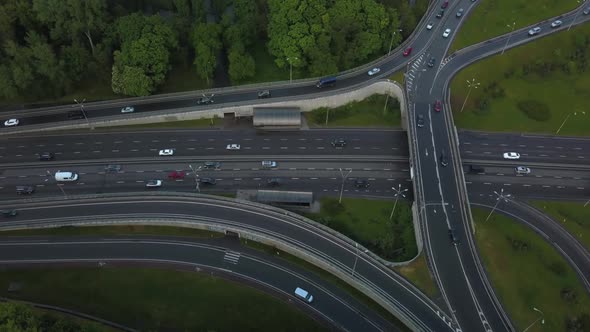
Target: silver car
x,y
522,170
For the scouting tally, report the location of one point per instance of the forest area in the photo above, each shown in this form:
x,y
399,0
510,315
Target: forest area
x,y
51,50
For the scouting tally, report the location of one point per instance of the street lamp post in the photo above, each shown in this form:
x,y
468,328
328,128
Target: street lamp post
x,y
398,192
500,197
81,104
57,183
391,42
470,84
566,118
587,203
577,14
540,318
343,180
510,35
291,68
356,257
197,183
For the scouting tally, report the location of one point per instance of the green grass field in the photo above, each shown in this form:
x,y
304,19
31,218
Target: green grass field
x,y
573,216
365,113
115,230
417,272
367,222
153,299
490,18
512,81
527,272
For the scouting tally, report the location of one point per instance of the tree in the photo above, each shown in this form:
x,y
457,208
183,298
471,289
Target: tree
x,y
241,64
144,59
72,19
205,40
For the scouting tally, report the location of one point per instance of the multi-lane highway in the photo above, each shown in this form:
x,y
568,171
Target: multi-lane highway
x,y
441,195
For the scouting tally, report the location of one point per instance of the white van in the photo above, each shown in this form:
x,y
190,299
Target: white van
x,y
303,294
65,176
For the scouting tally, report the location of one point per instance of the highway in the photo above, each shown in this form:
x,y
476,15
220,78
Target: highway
x,y
310,238
220,257
457,268
473,306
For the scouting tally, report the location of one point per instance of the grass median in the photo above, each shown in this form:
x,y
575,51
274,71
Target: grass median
x,y
573,216
494,18
417,272
528,273
547,93
369,112
153,299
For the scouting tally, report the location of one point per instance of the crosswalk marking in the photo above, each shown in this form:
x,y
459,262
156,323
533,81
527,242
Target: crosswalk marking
x,y
231,257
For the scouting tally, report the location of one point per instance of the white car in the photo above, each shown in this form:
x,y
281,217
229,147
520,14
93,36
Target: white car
x,y
429,26
153,184
374,71
269,164
127,109
233,147
166,152
534,31
11,123
522,170
511,155
447,33
555,24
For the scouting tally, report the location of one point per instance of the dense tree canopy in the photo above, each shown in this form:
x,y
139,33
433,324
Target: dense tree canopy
x,y
16,317
49,47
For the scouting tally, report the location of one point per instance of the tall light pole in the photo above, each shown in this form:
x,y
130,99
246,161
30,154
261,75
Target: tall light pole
x,y
577,14
391,42
541,318
511,26
500,197
470,84
291,68
356,257
81,104
343,180
398,192
57,183
566,118
197,182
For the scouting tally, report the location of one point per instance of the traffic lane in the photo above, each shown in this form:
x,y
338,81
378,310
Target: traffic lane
x,y
319,243
531,155
112,145
523,141
535,172
263,273
326,182
225,169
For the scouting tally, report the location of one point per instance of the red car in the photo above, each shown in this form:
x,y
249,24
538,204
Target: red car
x,y
408,51
437,106
176,175
445,4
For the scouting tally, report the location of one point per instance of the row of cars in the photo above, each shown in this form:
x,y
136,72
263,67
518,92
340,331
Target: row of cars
x,y
555,24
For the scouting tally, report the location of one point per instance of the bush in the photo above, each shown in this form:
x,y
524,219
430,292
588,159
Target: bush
x,y
534,110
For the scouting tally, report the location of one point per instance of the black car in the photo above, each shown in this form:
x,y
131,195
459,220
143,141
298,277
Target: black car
x,y
9,213
443,158
273,182
204,100
207,181
361,183
264,94
25,190
113,168
431,62
46,156
75,115
440,13
420,120
453,237
339,142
